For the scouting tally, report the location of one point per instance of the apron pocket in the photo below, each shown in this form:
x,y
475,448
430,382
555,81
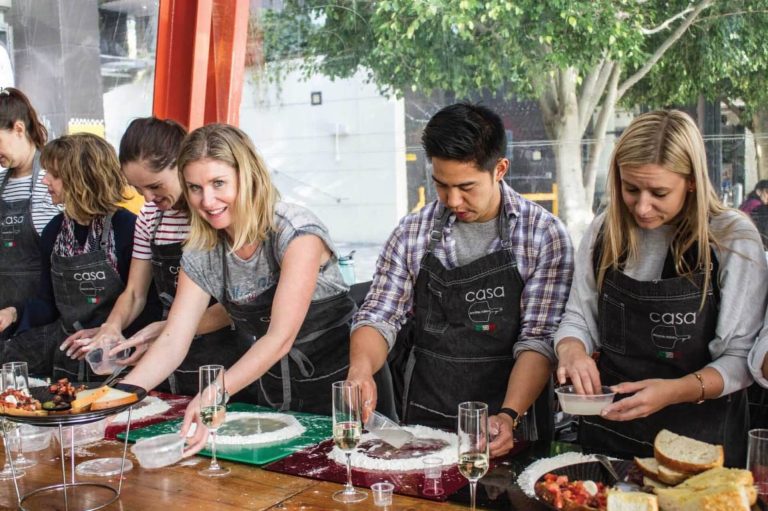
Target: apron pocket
x,y
612,325
436,321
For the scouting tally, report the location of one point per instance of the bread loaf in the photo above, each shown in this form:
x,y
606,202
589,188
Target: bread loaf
x,y
720,476
724,497
685,454
631,501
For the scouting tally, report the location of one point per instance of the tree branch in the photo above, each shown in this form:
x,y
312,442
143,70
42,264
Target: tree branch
x,y
667,23
591,97
677,34
587,86
601,126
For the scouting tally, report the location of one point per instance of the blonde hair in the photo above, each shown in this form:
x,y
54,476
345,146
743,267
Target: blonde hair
x,y
87,165
670,139
254,207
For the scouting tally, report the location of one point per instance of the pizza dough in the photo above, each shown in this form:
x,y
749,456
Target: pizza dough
x,y
257,428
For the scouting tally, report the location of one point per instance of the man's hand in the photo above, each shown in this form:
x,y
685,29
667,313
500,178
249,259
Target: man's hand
x,y
501,434
368,392
7,317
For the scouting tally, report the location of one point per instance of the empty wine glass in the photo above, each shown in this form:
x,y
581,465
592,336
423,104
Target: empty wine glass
x,y
473,443
6,429
17,377
213,410
347,430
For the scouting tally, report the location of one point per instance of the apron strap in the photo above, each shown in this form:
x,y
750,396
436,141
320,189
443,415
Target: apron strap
x,y
104,237
409,367
436,234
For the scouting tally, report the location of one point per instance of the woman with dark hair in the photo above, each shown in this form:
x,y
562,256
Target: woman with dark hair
x,y
670,289
25,205
85,256
148,152
756,198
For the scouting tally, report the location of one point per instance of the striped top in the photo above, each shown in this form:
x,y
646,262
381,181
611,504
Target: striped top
x,y
43,208
173,228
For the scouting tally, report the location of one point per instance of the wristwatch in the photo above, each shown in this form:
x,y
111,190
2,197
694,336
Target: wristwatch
x,y
516,417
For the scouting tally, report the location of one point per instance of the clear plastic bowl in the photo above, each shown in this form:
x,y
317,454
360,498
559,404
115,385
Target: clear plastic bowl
x,y
84,434
159,451
583,404
33,439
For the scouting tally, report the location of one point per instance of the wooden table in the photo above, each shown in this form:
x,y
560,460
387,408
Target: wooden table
x,y
180,487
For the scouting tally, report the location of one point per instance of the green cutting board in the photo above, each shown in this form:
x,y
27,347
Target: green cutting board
x,y
318,428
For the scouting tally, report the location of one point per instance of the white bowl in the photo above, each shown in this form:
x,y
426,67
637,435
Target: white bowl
x,y
159,451
583,404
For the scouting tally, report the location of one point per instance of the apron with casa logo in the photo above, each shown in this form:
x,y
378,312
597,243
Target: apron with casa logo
x,y
302,380
219,347
19,245
658,329
459,345
85,288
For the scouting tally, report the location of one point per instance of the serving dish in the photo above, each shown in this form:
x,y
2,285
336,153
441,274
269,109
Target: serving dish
x,y
43,394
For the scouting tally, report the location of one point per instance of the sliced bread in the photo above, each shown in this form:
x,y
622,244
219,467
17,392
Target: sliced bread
x,y
652,469
113,397
653,483
631,501
685,454
648,466
670,476
724,497
720,475
84,398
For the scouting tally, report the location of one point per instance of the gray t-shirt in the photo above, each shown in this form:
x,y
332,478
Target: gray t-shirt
x,y
249,278
474,240
743,293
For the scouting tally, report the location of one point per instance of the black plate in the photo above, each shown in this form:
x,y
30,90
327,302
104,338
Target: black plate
x,y
43,394
626,470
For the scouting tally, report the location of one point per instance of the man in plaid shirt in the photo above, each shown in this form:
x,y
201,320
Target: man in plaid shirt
x,y
468,291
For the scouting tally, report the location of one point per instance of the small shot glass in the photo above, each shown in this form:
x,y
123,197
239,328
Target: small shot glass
x,y
382,493
433,476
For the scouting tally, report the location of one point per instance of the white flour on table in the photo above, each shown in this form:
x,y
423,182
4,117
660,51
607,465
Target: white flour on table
x,y
148,407
360,460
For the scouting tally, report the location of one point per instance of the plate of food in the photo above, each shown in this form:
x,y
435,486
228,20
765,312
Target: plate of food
x,y
68,403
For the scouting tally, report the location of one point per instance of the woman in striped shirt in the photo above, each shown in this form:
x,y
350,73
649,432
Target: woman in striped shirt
x,y
25,205
148,152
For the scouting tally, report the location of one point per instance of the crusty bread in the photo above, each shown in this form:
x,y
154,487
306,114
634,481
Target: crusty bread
x,y
631,501
686,454
719,476
648,466
84,398
653,483
724,497
670,476
113,397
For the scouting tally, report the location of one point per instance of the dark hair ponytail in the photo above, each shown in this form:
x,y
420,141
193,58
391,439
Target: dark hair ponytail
x,y
15,106
152,140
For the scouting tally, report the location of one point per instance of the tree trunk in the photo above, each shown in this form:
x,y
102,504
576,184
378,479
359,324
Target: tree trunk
x,y
601,126
760,131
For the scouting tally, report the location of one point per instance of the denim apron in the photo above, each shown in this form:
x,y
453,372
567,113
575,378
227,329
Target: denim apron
x,y
85,287
656,329
465,324
217,347
302,380
19,245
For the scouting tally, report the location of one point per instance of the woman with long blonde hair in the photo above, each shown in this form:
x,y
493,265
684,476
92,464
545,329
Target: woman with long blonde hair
x,y
272,265
86,256
669,290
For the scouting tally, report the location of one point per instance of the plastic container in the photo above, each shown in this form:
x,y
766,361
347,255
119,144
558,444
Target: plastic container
x,y
159,451
583,404
33,439
382,493
84,434
433,476
99,360
387,430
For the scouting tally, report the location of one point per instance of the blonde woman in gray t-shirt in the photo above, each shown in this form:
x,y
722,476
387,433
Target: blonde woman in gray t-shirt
x,y
272,266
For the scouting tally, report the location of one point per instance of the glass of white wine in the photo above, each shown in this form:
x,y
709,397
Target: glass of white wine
x,y
17,375
213,410
473,443
347,430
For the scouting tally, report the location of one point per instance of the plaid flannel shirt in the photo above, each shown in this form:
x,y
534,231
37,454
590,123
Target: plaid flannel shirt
x,y
540,245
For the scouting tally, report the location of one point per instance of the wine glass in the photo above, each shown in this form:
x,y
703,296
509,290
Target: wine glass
x,y
213,409
7,427
347,430
17,377
473,443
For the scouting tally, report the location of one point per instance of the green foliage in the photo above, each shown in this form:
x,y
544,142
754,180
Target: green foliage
x,y
462,45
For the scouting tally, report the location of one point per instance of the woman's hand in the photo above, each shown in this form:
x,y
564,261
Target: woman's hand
x,y
649,397
141,340
574,363
192,416
79,344
502,439
7,317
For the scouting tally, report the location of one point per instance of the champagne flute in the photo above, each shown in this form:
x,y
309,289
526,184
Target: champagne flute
x,y
17,374
473,443
7,427
347,430
213,409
